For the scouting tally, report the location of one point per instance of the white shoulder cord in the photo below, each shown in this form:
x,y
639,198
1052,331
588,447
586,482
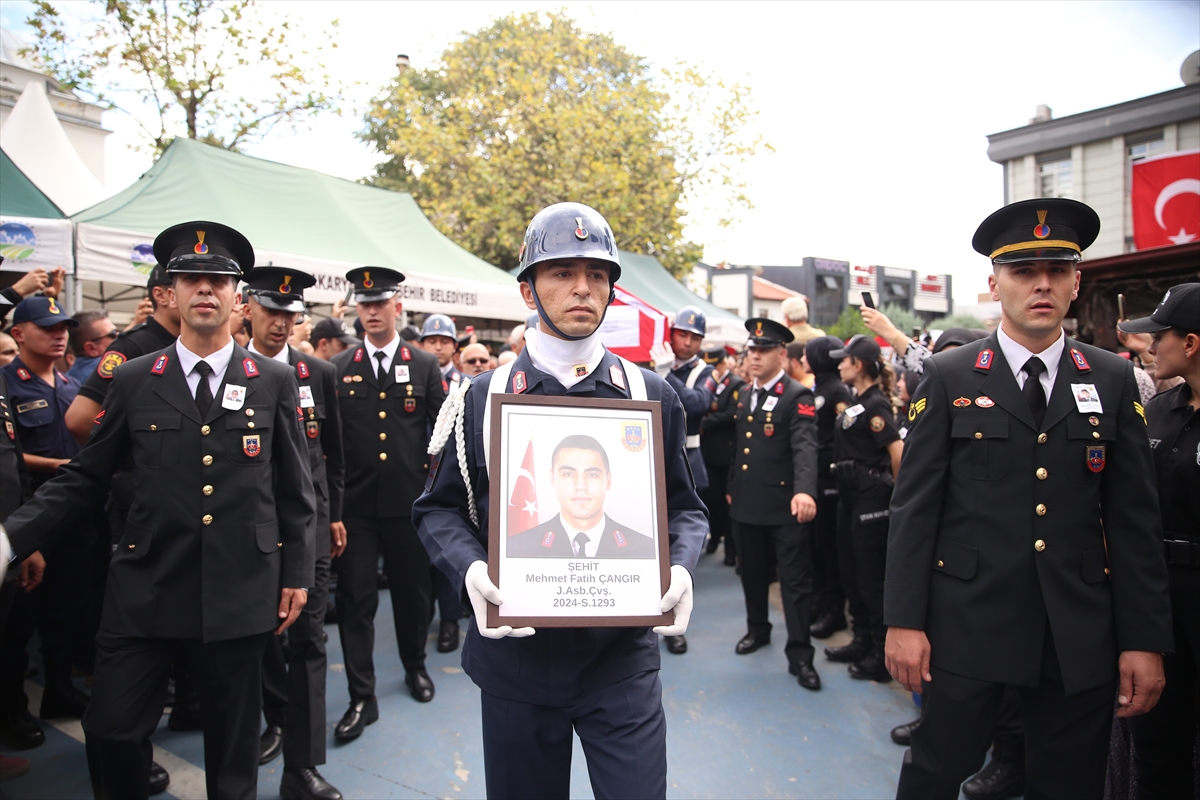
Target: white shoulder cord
x,y
450,418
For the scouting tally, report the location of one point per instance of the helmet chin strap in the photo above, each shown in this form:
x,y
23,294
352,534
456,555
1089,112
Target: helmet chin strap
x,y
544,317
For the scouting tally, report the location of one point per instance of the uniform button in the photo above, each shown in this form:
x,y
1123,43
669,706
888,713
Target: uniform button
x,y
745,467
206,519
941,563
207,461
748,434
351,392
249,412
1039,545
1106,571
978,435
383,415
750,418
383,395
746,450
205,430
1040,509
249,424
132,546
383,456
279,544
1095,434
208,489
153,427
383,437
1042,474
1042,438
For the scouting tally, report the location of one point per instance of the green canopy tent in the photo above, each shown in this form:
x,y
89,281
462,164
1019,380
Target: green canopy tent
x,y
33,231
295,217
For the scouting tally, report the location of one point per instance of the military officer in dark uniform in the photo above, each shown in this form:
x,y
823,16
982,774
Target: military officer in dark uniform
x,y
867,450
1163,738
1026,546
223,517
294,677
831,397
388,396
772,495
717,441
601,682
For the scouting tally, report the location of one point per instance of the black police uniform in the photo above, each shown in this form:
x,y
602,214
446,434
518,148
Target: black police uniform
x,y
863,468
1029,552
384,434
1163,738
223,517
718,434
775,459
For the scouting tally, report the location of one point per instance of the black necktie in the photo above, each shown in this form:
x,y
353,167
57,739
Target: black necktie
x,y
380,356
1034,394
580,541
754,400
204,396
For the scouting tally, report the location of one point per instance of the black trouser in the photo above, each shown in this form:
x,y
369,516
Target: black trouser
x,y
1066,737
406,564
127,704
14,643
64,599
863,530
294,679
623,730
827,580
1163,738
718,508
793,549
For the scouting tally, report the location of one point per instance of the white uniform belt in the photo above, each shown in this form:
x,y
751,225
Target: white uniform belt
x,y
693,441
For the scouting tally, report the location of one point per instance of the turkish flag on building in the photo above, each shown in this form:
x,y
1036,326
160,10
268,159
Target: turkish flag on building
x,y
522,504
1166,200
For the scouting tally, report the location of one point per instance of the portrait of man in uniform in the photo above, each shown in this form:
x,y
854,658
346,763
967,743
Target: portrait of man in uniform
x,y
581,477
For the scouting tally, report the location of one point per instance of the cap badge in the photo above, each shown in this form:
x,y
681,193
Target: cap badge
x,y
53,306
758,331
691,319
580,232
1041,230
367,282
521,255
200,248
286,286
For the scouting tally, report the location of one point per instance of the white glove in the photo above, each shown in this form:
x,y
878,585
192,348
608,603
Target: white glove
x,y
481,590
663,358
5,554
678,597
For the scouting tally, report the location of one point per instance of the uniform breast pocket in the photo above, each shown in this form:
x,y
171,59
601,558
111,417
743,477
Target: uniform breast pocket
x,y
980,443
351,400
157,438
1087,446
248,436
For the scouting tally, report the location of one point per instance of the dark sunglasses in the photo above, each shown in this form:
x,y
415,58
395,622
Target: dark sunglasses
x,y
475,360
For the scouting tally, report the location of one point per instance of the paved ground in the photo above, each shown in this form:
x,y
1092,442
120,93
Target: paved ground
x,y
738,726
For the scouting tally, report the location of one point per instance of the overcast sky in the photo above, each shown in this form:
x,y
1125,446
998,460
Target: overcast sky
x,y
879,112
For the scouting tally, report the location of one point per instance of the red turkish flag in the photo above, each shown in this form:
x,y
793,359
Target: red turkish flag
x,y
522,504
1166,200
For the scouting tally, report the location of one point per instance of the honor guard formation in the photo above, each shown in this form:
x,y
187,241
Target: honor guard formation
x,y
1002,522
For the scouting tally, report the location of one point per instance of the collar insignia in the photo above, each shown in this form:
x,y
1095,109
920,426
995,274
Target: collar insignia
x,y
984,360
250,368
1080,362
160,365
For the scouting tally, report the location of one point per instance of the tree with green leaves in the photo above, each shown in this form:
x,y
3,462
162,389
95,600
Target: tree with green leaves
x,y
532,110
219,72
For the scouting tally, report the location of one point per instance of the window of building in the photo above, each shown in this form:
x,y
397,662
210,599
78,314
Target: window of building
x,y
1054,174
1138,147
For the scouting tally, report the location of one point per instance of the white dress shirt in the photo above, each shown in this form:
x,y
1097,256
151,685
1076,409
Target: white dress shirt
x,y
593,535
219,361
1017,354
281,356
389,352
761,389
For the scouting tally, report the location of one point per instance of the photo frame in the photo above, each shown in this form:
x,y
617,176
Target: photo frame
x,y
577,533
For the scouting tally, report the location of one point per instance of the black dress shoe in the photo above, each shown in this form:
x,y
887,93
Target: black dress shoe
x,y
159,779
902,734
713,544
730,561
871,668
305,783
359,715
749,643
857,650
1002,777
676,645
20,731
419,685
270,744
829,623
448,636
807,676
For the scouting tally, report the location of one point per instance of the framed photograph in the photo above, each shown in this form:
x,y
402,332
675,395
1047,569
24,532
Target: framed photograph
x,y
577,534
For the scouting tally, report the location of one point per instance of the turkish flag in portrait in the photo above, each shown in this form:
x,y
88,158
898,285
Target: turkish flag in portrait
x,y
522,504
1166,200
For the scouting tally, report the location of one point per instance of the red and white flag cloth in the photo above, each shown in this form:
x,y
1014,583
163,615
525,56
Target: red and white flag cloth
x,y
522,504
1166,200
632,326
